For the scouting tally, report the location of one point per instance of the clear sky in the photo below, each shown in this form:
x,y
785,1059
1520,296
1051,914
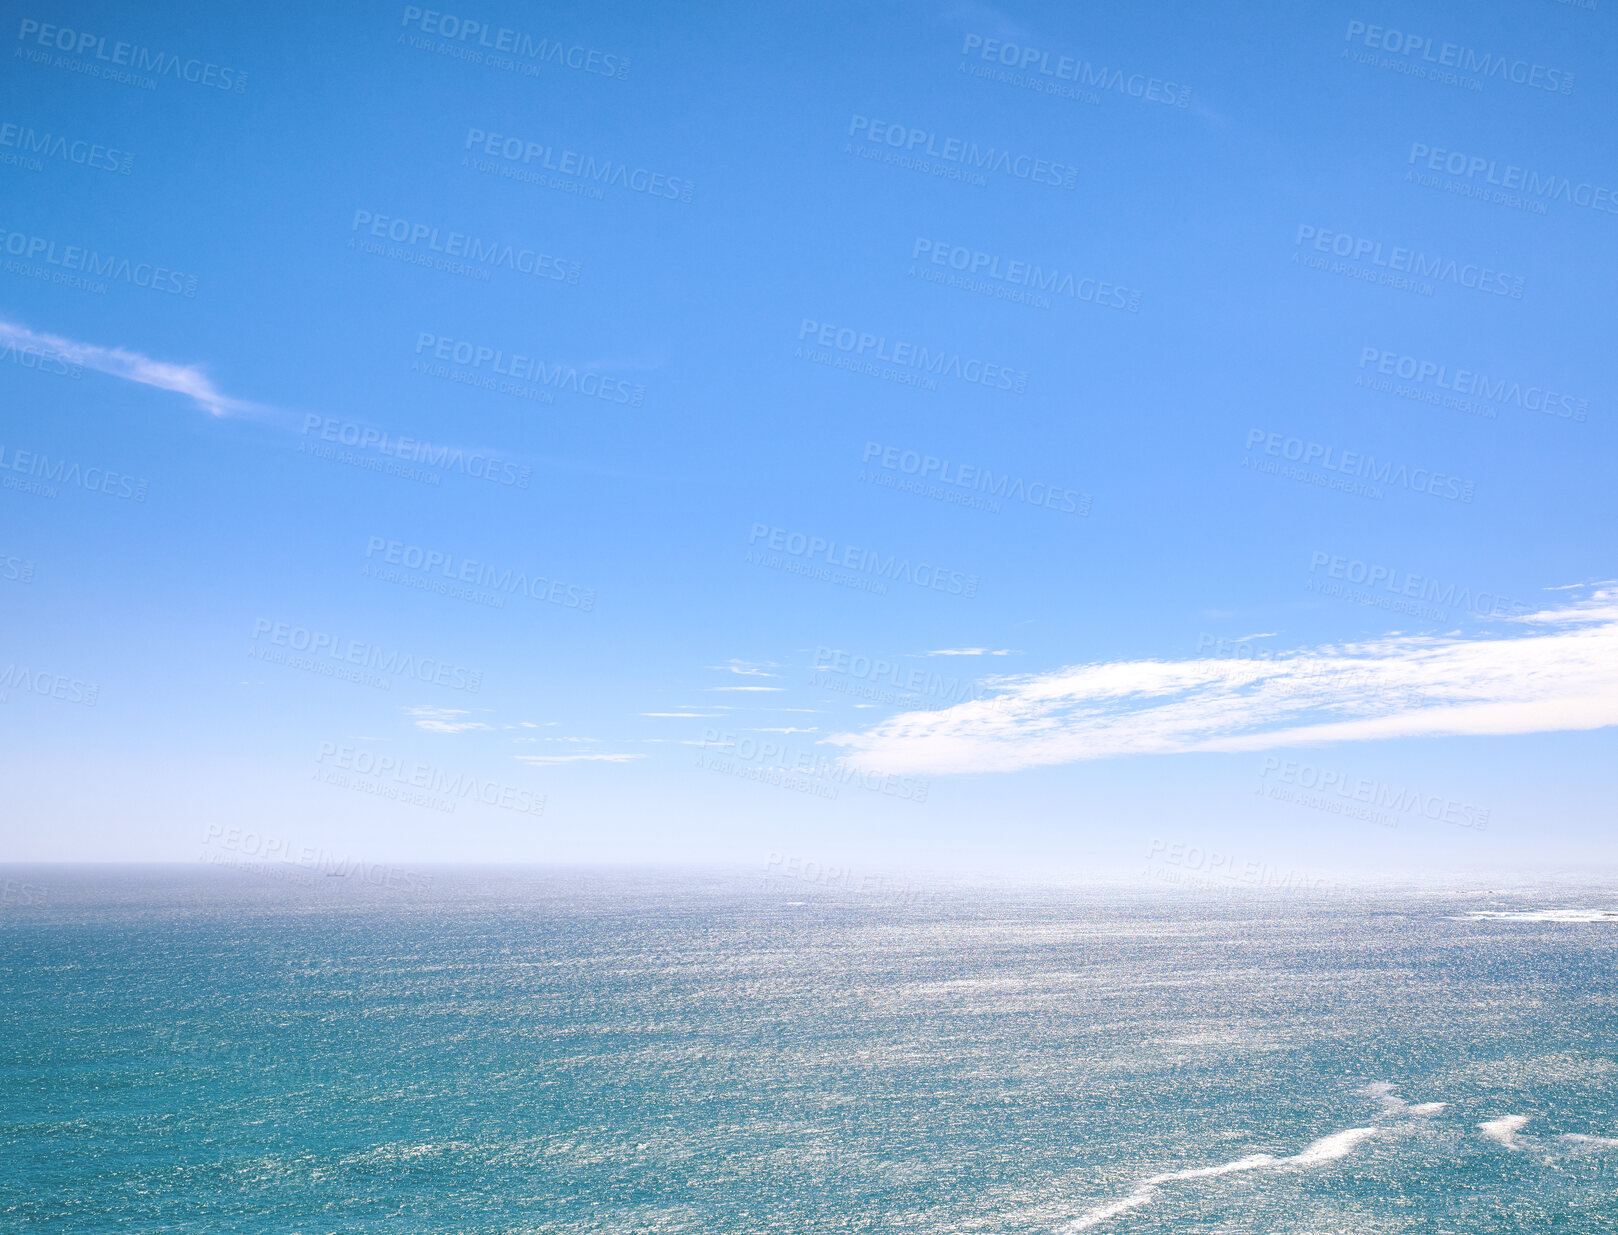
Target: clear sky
x,y
1006,438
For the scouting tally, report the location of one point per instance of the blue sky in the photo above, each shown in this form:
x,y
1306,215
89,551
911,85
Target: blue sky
x,y
1000,438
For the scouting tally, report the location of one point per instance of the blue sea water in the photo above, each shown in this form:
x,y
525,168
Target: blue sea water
x,y
623,1051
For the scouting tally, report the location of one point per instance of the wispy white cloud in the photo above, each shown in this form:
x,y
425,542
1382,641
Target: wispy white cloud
x,y
443,720
969,652
542,760
747,688
749,668
183,379
1558,671
686,715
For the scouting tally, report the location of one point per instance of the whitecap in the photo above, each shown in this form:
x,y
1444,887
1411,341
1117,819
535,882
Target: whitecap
x,y
1544,915
1504,1130
1102,1212
1393,1104
1330,1148
1594,1142
1251,1162
1382,1091
1326,1149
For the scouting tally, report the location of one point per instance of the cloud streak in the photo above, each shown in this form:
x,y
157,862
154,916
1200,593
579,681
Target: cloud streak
x,y
550,760
1557,671
443,720
187,380
749,668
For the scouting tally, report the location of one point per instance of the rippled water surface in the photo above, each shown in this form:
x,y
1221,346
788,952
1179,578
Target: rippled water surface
x,y
639,1052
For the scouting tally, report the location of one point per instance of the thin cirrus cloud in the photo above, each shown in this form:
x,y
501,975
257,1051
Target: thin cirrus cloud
x,y
120,362
546,760
188,380
443,720
748,668
1559,671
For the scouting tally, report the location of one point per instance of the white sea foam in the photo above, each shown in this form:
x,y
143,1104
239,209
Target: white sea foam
x,y
1545,915
1393,1104
1382,1091
1504,1130
1594,1142
1330,1148
1326,1149
1101,1213
1251,1162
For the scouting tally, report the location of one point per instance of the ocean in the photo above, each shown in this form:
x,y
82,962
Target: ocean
x,y
550,1051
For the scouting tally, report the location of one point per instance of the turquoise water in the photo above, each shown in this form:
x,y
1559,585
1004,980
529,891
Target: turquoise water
x,y
619,1052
